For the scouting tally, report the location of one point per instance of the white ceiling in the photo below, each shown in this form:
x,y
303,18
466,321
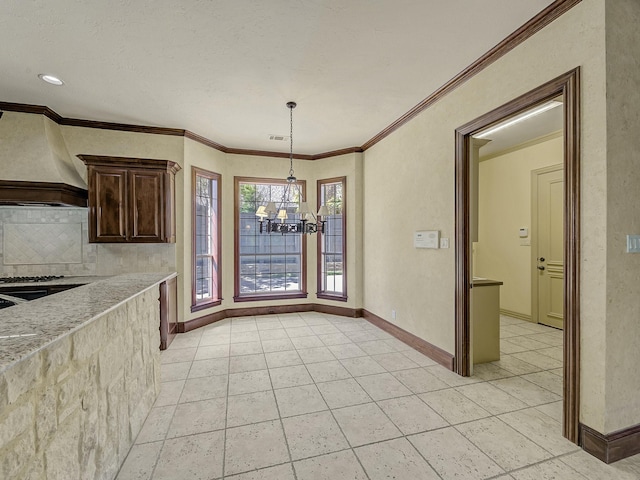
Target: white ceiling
x,y
225,69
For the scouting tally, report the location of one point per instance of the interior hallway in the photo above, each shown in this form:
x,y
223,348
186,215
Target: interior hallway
x,y
311,396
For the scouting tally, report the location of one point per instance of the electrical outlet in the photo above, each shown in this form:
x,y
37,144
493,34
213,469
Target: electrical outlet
x,y
393,314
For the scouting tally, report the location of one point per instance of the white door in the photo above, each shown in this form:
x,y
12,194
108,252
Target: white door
x,y
548,246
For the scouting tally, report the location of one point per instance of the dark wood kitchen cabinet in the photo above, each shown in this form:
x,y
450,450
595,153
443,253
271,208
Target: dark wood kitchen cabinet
x,y
131,199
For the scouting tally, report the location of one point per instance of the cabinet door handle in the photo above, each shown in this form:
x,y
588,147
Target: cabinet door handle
x,y
540,267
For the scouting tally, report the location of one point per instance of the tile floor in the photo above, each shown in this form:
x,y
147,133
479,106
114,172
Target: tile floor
x,y
319,397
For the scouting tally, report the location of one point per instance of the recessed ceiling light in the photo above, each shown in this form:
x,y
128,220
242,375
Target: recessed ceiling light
x,y
53,80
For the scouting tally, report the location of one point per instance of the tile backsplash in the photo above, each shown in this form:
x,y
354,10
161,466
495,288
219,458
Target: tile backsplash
x,y
54,241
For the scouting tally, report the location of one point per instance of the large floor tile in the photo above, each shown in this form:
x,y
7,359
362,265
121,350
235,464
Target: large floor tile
x,y
504,445
175,355
516,366
299,400
489,371
248,382
292,376
453,456
191,458
269,324
333,466
316,354
419,358
394,361
542,429
169,393
554,410
198,417
280,345
307,342
140,462
382,386
375,347
244,337
492,399
202,388
412,415
254,446
295,332
360,366
215,338
419,380
280,472
453,406
274,334
394,459
343,393
175,371
209,367
245,348
247,363
550,470
330,339
593,469
541,361
526,391
347,350
547,380
251,408
156,425
313,434
283,359
450,378
363,424
211,351
327,371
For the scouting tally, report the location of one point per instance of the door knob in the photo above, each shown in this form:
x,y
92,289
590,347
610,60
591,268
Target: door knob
x,y
540,267
541,259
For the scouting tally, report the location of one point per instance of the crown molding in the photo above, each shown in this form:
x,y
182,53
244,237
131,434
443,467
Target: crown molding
x,y
542,19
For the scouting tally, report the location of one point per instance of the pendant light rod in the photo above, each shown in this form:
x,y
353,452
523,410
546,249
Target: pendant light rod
x,y
291,105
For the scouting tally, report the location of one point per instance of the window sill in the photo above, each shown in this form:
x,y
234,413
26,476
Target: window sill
x,y
204,306
328,296
279,296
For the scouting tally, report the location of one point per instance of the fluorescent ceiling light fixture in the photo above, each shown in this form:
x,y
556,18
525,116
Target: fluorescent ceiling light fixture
x,y
52,79
519,118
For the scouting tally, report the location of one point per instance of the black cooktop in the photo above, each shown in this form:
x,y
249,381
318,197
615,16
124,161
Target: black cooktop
x,y
42,278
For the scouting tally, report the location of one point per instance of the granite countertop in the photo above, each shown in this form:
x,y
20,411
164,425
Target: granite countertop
x,y
77,280
28,327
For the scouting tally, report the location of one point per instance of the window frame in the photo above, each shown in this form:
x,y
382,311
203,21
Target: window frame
x,y
197,305
323,294
255,297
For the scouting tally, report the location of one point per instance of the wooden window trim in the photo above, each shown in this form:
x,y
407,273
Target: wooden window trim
x,y
343,297
237,296
196,305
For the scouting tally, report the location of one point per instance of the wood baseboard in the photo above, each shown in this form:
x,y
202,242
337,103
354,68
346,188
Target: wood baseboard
x,y
519,316
610,447
270,310
434,353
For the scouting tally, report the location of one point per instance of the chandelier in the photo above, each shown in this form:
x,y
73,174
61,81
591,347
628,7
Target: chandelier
x,y
274,219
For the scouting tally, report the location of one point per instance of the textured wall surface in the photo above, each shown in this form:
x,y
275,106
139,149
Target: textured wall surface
x,y
74,408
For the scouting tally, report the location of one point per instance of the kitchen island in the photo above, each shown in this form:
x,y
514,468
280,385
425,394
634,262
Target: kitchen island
x,y
79,372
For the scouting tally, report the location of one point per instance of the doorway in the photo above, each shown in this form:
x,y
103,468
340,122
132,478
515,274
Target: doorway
x,y
566,85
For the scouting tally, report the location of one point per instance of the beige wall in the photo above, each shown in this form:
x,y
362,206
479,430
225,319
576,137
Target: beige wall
x,y
505,207
623,215
409,185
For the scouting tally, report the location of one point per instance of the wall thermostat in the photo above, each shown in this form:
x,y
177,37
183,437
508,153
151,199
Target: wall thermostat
x,y
426,239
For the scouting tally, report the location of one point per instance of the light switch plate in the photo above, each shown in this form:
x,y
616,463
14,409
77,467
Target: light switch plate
x,y
633,243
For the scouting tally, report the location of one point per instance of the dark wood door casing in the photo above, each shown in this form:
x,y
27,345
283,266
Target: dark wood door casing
x,y
567,85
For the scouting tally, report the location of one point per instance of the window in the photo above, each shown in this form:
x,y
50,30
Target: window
x,y
267,265
206,286
332,244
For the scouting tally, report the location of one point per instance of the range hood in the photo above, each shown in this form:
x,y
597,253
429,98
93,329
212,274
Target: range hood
x,y
35,165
